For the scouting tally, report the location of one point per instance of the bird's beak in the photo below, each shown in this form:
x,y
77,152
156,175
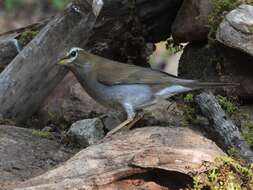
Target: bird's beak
x,y
63,61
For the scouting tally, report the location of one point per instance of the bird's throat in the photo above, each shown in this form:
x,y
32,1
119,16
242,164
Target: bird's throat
x,y
89,82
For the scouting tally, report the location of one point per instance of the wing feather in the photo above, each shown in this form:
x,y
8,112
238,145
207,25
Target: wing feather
x,y
112,72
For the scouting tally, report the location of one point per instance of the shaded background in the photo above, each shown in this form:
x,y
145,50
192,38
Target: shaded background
x,y
18,13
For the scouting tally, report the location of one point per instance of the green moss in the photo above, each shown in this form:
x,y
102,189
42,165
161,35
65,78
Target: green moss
x,y
229,107
190,109
58,120
42,134
220,8
247,133
173,47
27,36
225,174
7,122
233,152
189,98
197,184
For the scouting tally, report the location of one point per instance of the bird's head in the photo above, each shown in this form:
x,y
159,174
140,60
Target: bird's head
x,y
71,57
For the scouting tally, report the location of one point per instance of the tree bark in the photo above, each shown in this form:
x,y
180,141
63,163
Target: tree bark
x,y
33,73
117,34
150,154
221,128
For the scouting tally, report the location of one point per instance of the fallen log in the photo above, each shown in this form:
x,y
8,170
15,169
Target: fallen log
x,y
117,34
152,154
221,129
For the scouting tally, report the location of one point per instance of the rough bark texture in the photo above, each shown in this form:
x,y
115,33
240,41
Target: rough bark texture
x,y
122,157
33,73
226,134
117,34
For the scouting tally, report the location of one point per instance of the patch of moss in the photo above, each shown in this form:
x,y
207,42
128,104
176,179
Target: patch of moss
x,y
225,174
233,152
57,120
27,36
189,98
189,108
42,134
7,122
247,133
229,107
173,47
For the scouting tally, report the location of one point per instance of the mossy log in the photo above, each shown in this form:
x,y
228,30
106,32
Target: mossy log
x,y
223,131
118,33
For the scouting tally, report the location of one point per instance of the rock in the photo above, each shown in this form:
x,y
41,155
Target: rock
x,y
164,113
199,61
236,30
112,120
157,21
69,102
219,63
25,155
86,132
154,154
191,23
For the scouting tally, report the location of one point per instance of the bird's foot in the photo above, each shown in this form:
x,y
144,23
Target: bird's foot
x,y
127,125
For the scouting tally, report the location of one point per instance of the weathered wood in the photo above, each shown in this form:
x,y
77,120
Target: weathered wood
x,y
221,128
33,73
117,34
147,151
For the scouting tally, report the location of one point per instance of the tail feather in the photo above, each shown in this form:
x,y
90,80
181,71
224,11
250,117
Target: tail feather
x,y
197,84
188,86
211,84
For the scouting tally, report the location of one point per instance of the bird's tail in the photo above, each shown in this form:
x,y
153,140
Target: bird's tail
x,y
187,86
198,85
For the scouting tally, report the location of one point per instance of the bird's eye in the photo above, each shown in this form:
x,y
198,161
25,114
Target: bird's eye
x,y
73,53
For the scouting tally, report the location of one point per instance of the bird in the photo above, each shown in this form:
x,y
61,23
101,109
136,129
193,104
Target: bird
x,y
126,87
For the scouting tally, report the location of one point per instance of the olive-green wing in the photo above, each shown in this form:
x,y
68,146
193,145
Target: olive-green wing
x,y
112,72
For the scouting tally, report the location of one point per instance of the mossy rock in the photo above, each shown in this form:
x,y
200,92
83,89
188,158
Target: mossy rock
x,y
226,174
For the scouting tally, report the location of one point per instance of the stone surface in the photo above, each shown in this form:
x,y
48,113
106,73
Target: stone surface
x,y
236,30
191,23
112,119
24,155
163,113
9,48
154,152
86,132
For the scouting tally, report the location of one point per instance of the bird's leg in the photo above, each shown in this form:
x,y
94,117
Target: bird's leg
x,y
131,117
137,117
